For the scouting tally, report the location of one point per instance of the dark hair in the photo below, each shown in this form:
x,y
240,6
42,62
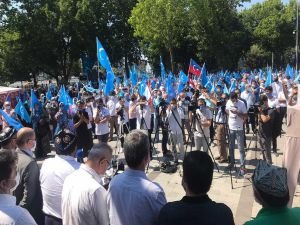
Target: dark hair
x,y
271,200
233,95
7,159
198,170
269,88
136,148
262,99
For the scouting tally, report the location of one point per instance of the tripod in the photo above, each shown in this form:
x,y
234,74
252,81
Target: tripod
x,y
121,133
196,118
159,122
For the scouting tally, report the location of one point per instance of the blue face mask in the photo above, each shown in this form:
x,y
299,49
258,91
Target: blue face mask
x,y
202,107
269,95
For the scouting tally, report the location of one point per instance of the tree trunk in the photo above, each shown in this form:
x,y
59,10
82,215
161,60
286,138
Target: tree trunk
x,y
171,59
126,65
34,80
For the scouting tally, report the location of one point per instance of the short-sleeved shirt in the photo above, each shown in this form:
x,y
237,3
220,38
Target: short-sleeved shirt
x,y
202,116
101,128
235,122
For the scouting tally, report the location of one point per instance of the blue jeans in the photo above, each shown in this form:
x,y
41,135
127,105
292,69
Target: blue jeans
x,y
239,136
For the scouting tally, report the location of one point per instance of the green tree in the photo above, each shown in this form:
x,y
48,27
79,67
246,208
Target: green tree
x,y
271,26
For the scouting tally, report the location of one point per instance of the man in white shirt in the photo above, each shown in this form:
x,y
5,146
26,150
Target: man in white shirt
x,y
202,122
143,117
10,213
113,121
101,118
83,196
277,87
176,136
53,174
274,104
237,114
249,97
133,199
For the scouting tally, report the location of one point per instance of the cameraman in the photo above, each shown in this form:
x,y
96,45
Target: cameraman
x,y
249,97
184,103
132,114
202,124
143,116
161,105
237,114
274,104
221,121
81,121
266,121
101,118
173,116
122,112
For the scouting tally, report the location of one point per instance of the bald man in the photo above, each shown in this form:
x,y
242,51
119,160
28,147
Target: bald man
x,y
28,193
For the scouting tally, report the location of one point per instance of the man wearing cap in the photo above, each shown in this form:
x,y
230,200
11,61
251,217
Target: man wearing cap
x,y
271,191
8,138
53,174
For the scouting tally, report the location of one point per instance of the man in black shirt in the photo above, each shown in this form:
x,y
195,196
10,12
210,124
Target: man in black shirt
x,y
81,121
196,207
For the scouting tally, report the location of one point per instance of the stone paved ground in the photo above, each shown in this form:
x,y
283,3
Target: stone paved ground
x,y
239,199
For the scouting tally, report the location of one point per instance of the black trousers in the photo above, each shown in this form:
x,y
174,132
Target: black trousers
x,y
123,132
132,124
51,220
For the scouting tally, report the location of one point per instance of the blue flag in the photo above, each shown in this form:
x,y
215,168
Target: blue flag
x,y
170,89
183,78
22,112
34,99
102,56
162,70
232,86
49,94
109,82
11,121
133,76
204,78
269,80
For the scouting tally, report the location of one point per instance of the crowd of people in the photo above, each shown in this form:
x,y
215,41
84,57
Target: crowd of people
x,y
70,188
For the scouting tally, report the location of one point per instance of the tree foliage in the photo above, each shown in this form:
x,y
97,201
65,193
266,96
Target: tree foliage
x,y
52,35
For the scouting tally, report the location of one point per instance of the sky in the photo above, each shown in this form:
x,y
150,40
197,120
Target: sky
x,y
248,4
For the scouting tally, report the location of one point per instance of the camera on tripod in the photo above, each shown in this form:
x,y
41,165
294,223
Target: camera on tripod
x,y
121,113
253,109
193,106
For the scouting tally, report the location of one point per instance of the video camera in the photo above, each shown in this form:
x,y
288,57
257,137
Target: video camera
x,y
193,106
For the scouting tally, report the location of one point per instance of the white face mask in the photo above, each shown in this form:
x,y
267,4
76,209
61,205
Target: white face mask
x,y
17,179
34,146
7,107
